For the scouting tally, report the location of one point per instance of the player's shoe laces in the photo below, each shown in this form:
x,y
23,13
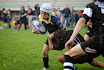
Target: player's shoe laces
x,y
44,68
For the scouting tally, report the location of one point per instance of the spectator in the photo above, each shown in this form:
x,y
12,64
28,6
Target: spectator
x,y
29,10
72,15
23,19
54,12
69,7
59,13
37,10
80,13
66,13
76,17
9,18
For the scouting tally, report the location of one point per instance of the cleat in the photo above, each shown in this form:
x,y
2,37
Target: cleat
x,y
44,68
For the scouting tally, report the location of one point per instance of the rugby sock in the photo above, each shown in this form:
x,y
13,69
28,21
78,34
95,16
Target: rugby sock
x,y
4,25
45,61
68,65
7,25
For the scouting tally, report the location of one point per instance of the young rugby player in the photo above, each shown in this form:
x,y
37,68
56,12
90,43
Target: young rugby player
x,y
9,18
62,37
94,46
4,15
51,23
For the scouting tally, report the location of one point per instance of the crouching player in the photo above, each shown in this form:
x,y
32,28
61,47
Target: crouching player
x,y
51,23
62,37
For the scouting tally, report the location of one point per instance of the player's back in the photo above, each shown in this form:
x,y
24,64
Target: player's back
x,y
78,39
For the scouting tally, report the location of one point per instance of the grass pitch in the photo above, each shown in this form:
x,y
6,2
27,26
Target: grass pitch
x,y
22,50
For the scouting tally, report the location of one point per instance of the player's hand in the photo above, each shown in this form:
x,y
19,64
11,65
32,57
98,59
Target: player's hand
x,y
2,15
48,36
69,44
69,17
22,15
34,31
52,35
63,14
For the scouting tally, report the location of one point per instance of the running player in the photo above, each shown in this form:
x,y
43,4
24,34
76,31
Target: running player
x,y
51,23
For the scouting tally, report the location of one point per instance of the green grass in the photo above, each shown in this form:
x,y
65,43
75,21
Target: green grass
x,y
22,50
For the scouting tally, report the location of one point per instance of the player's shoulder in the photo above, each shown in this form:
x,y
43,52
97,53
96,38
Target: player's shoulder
x,y
54,18
90,5
5,11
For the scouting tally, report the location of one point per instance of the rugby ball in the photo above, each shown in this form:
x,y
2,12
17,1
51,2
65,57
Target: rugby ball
x,y
38,26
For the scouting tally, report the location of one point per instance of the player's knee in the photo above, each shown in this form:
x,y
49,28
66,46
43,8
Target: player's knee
x,y
45,53
61,58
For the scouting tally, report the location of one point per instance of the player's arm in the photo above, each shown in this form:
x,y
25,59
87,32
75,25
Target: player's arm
x,y
89,23
64,28
19,17
87,14
78,27
86,37
97,63
67,48
24,15
60,24
88,33
50,37
2,14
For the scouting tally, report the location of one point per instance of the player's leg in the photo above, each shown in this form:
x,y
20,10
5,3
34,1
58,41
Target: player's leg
x,y
20,23
45,55
71,55
9,25
67,22
4,25
9,22
25,23
4,22
97,63
63,20
86,37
